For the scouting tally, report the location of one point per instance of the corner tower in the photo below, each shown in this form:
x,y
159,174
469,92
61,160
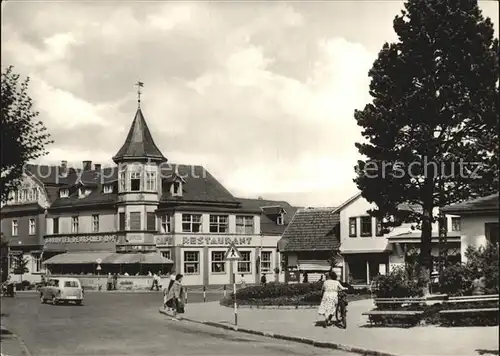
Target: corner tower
x,y
139,187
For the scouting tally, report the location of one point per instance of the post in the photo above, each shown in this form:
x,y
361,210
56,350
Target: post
x,y
225,292
186,297
235,266
204,294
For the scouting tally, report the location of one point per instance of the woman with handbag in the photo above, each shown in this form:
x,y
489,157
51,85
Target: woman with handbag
x,y
175,297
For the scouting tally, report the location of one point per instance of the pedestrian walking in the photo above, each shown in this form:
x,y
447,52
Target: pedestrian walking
x,y
331,288
305,278
115,281
175,297
155,282
110,282
243,282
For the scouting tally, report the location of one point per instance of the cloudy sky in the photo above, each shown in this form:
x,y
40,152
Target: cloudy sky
x,y
261,94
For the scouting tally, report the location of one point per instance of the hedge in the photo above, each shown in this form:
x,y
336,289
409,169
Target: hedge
x,y
281,294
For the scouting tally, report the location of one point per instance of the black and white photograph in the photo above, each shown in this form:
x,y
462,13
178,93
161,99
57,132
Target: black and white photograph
x,y
251,178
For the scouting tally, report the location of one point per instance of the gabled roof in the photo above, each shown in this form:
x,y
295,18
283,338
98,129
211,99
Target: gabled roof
x,y
488,204
268,226
313,229
347,202
139,143
199,185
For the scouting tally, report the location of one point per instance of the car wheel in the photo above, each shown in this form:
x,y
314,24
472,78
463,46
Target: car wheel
x,y
54,301
42,299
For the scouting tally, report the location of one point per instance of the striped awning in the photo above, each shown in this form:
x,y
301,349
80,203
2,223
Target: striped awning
x,y
142,258
69,258
77,258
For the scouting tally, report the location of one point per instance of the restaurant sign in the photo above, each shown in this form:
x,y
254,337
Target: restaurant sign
x,y
80,239
215,240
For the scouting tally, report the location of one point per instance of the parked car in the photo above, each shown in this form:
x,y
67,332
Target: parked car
x,y
62,290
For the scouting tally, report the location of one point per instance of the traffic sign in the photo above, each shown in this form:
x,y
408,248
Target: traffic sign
x,y
99,267
98,261
232,253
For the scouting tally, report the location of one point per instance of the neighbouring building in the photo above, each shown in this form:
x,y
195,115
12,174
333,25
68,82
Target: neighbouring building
x,y
310,242
479,221
23,224
113,219
362,250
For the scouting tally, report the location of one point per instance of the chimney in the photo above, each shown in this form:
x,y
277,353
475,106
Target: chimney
x,y
97,167
87,165
63,170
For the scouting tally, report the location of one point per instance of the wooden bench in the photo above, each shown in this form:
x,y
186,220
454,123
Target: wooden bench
x,y
449,316
390,308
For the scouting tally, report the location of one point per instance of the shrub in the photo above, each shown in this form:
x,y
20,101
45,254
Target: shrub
x,y
457,280
397,284
482,261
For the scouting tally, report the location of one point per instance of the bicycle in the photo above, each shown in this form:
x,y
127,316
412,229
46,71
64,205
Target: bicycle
x,y
341,310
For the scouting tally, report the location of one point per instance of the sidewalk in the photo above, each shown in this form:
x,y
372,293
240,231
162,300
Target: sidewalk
x,y
11,345
358,337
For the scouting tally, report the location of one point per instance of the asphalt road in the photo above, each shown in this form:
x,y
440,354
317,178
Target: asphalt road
x,y
129,324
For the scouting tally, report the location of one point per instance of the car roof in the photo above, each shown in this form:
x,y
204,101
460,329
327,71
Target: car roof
x,y
66,279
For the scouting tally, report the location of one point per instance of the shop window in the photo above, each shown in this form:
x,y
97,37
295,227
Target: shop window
x,y
36,263
32,227
265,261
353,227
244,225
218,262
135,221
151,221
191,222
166,223
95,223
74,224
245,264
455,223
366,226
55,225
15,228
219,223
191,262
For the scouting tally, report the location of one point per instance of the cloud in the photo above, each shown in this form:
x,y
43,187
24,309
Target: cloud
x,y
262,94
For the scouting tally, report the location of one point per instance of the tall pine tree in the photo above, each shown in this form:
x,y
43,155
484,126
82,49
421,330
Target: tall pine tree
x,y
431,130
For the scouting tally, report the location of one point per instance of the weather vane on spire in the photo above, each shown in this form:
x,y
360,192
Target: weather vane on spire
x,y
139,85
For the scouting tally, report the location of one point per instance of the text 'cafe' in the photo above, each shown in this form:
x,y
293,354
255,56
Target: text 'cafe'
x,y
201,259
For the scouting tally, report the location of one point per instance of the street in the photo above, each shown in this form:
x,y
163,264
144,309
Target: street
x,y
129,324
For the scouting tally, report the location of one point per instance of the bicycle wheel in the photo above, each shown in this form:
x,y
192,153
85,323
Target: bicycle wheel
x,y
343,316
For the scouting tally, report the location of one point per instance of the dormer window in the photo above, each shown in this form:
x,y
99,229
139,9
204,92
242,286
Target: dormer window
x,y
64,193
176,189
108,188
280,220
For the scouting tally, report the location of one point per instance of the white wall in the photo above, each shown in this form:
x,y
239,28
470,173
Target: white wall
x,y
473,231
